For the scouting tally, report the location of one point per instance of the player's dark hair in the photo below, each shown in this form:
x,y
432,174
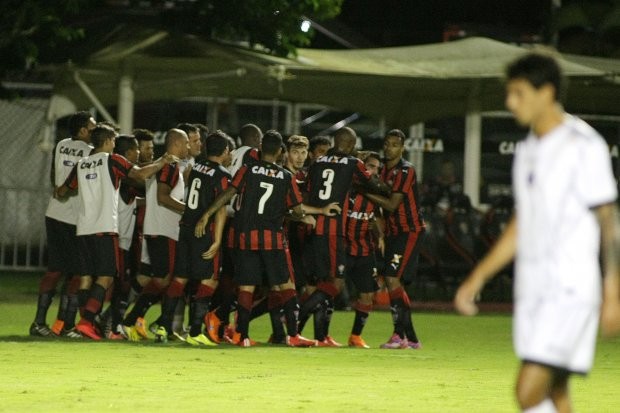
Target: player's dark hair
x,y
188,128
538,70
78,121
143,135
217,142
272,141
100,133
398,133
318,141
124,143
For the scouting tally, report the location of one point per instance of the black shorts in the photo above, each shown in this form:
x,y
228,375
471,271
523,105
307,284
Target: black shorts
x,y
254,267
401,255
62,247
188,261
161,251
328,256
98,255
362,271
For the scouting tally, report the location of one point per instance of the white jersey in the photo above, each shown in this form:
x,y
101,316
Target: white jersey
x,y
67,153
159,220
97,179
126,218
557,181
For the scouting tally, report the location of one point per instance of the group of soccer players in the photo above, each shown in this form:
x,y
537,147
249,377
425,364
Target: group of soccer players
x,y
274,226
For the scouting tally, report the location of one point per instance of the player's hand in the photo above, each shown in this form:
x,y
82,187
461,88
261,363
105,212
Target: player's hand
x,y
310,220
332,209
467,295
201,226
381,245
610,318
167,158
211,252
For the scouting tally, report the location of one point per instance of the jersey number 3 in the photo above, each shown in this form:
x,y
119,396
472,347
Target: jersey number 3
x,y
328,176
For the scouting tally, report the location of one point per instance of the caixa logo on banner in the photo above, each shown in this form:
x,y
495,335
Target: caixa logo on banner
x,y
424,145
509,147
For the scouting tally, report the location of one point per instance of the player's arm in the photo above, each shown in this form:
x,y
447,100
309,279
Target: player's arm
x,y
165,199
377,230
302,210
69,187
140,174
221,200
220,221
390,203
502,253
608,220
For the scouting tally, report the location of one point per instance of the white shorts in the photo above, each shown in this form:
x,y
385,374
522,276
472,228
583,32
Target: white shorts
x,y
556,332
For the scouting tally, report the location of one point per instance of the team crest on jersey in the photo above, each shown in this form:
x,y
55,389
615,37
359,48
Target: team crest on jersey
x,y
272,173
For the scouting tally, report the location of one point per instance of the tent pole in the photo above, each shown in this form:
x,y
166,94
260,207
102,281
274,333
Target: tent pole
x,y
473,143
125,103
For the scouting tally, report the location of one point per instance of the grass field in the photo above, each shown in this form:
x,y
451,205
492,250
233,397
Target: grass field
x,y
466,365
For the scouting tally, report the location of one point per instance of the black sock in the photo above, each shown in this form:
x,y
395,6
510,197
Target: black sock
x,y
319,320
43,304
311,306
143,303
72,309
201,307
95,302
358,324
168,307
259,309
398,308
82,297
409,330
291,312
329,311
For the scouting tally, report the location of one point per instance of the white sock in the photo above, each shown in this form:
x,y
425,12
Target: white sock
x,y
546,406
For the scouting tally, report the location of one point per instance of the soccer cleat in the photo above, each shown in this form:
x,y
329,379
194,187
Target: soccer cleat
x,y
277,340
72,333
131,333
395,342
323,343
58,326
299,341
246,342
141,328
212,326
111,335
179,336
200,339
414,345
232,337
357,341
87,329
40,330
332,342
161,335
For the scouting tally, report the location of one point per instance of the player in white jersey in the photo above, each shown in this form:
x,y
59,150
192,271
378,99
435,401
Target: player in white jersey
x,y
97,178
164,206
60,220
565,203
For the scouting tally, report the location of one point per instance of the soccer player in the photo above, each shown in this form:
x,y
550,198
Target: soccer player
x,y
97,178
404,233
364,234
199,258
317,147
164,206
146,147
266,192
60,221
329,180
565,197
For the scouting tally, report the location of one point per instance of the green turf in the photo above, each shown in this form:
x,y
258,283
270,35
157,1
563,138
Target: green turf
x,y
466,365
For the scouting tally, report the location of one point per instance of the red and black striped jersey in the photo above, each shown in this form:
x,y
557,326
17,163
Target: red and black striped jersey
x,y
360,216
296,232
407,216
266,192
329,180
206,181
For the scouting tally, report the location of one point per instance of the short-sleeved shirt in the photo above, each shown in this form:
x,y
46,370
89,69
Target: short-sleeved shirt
x,y
329,180
67,153
266,192
97,179
159,220
360,216
407,216
557,180
206,181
